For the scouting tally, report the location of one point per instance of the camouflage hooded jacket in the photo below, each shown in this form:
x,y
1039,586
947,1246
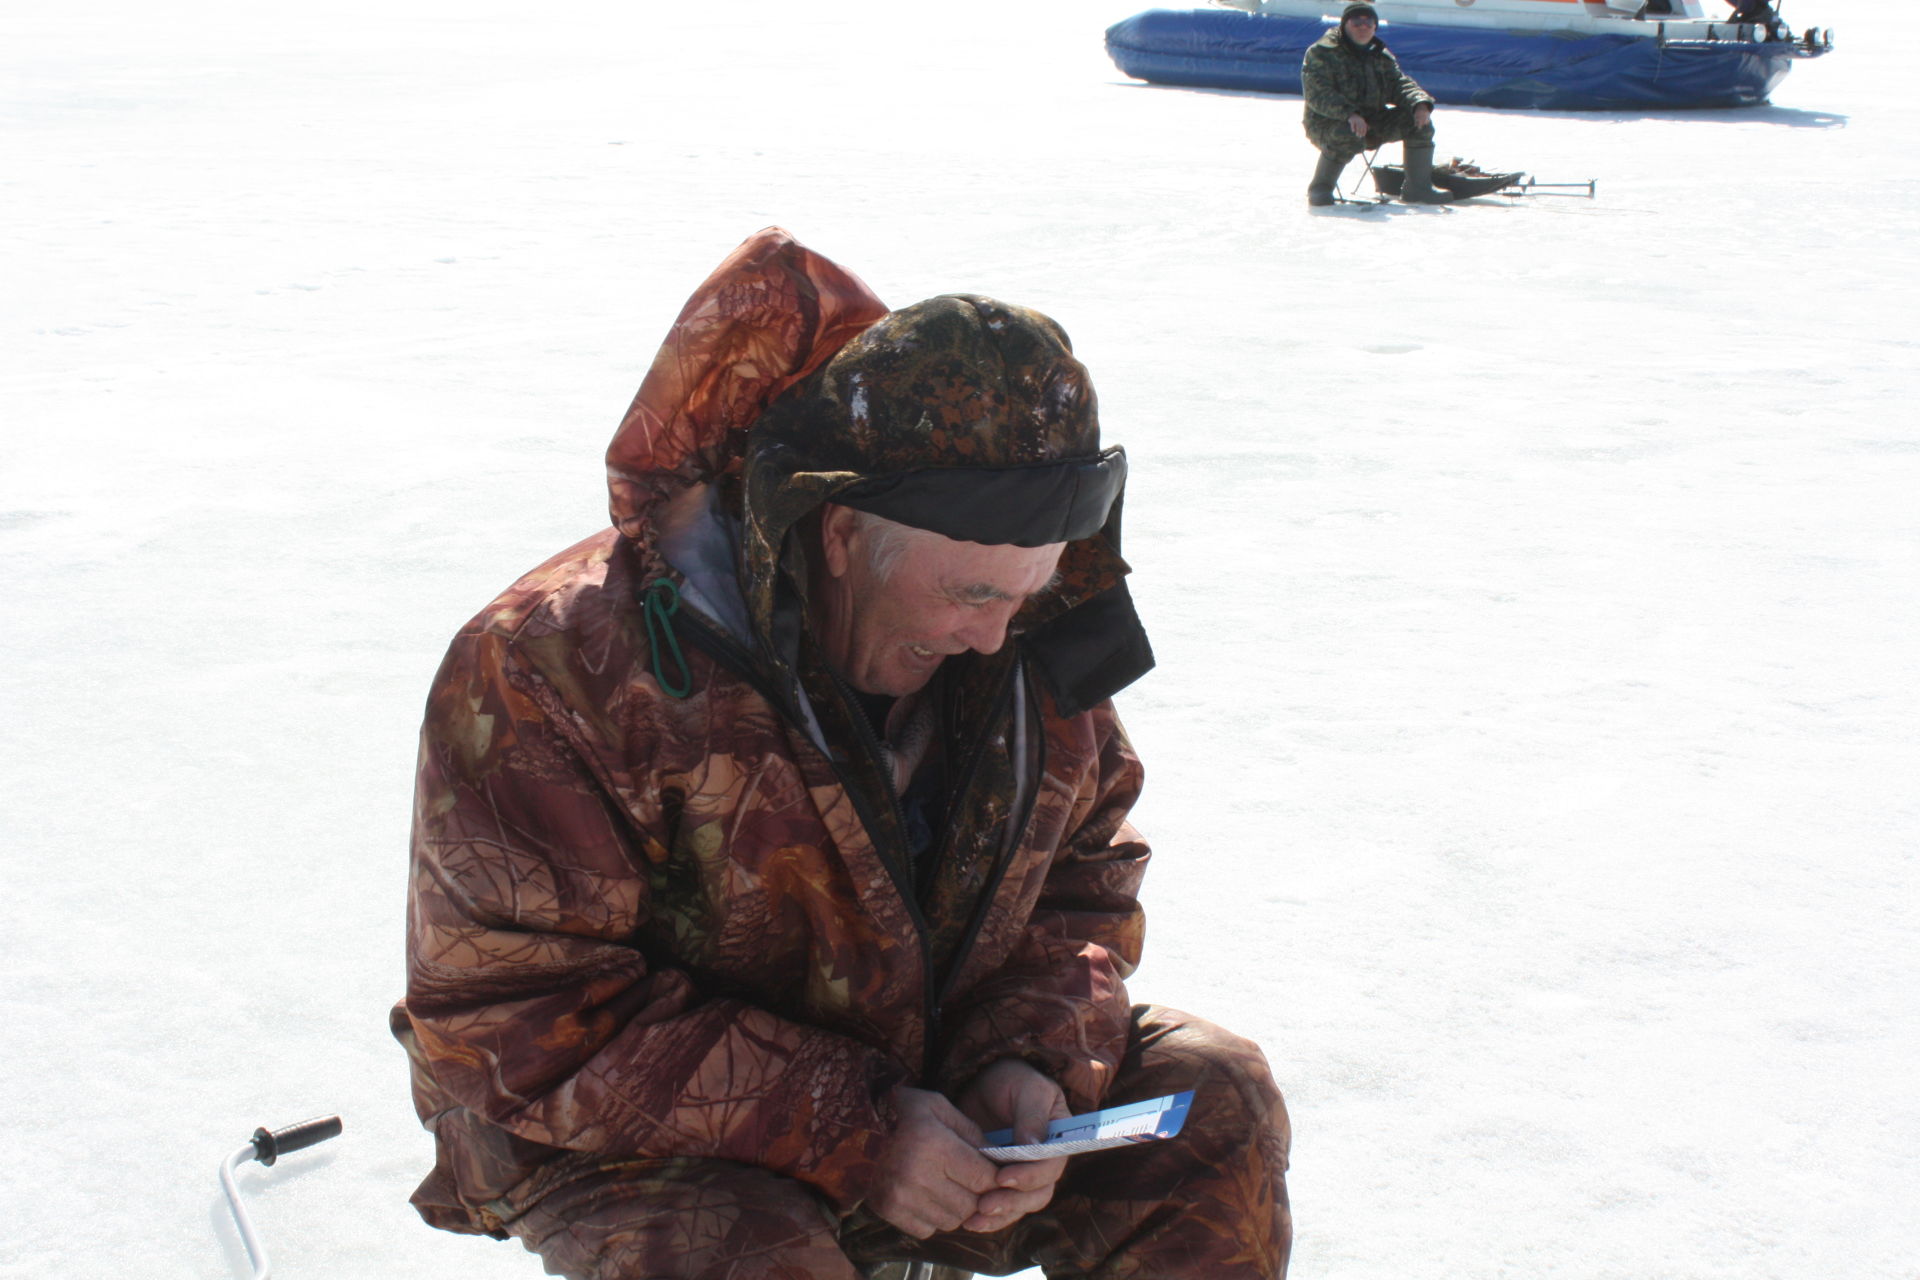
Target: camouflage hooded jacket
x,y
1339,79
658,904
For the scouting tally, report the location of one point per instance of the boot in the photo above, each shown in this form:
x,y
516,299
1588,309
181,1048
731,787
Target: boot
x,y
1418,186
1326,175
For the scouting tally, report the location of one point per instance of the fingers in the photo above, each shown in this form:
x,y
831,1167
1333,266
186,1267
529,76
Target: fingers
x,y
972,1172
1031,1175
1034,1111
922,1209
1013,1094
956,1121
922,1205
1025,1188
931,1177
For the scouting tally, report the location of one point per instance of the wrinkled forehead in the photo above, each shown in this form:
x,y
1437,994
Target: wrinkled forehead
x,y
979,571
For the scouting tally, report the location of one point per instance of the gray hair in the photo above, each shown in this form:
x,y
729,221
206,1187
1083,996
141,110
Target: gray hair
x,y
886,541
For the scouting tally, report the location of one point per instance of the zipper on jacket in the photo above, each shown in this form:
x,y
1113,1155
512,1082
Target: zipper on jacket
x,y
877,752
1017,823
903,875
735,658
971,765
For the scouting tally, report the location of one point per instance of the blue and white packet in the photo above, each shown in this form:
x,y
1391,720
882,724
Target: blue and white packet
x,y
1097,1130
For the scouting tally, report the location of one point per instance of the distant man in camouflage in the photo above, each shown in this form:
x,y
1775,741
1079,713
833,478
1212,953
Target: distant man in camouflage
x,y
772,844
1357,98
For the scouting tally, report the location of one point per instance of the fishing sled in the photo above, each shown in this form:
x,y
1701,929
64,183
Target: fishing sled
x,y
1463,180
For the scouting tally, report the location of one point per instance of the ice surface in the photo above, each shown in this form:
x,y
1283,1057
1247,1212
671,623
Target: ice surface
x,y
1533,750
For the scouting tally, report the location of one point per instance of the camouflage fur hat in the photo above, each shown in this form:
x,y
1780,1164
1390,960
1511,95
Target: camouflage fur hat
x,y
962,415
969,417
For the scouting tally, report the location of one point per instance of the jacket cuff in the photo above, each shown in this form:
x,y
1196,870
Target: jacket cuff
x,y
846,1177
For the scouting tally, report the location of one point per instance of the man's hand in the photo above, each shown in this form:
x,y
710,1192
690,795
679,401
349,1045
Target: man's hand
x,y
1357,123
1011,1094
932,1175
1422,114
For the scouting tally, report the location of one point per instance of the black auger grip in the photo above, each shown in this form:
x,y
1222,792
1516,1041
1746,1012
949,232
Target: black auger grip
x,y
268,1147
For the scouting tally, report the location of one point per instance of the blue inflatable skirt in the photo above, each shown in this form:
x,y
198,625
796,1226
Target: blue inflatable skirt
x,y
1546,70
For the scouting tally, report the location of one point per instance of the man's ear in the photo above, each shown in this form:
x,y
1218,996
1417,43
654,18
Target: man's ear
x,y
836,538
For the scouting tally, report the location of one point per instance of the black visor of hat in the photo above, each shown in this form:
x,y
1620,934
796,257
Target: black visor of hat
x,y
1031,505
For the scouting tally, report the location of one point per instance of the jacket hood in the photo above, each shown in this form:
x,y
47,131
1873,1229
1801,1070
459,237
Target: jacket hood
x,y
768,316
787,383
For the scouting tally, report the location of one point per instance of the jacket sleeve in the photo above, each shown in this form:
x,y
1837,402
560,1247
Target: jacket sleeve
x,y
1406,88
529,998
1321,86
1060,1000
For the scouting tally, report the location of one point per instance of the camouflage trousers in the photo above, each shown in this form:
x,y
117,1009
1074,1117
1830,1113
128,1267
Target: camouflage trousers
x,y
1210,1203
1384,125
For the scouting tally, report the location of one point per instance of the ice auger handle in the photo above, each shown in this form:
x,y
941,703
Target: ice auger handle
x,y
270,1146
266,1147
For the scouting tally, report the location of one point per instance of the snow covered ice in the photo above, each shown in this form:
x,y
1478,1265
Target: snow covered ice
x,y
1532,754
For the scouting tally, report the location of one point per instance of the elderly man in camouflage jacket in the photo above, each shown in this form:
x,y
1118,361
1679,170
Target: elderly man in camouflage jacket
x,y
1357,97
772,845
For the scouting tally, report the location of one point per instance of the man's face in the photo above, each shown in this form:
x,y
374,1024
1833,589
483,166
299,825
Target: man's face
x,y
941,597
1360,28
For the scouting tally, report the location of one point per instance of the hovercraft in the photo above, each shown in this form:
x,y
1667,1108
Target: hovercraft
x,y
1560,55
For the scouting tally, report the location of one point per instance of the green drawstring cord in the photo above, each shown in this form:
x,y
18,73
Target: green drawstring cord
x,y
660,601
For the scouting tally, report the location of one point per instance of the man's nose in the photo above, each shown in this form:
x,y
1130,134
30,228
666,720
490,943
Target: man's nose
x,y
986,630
